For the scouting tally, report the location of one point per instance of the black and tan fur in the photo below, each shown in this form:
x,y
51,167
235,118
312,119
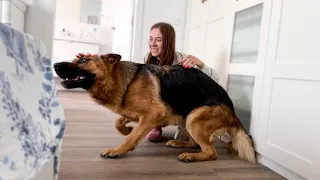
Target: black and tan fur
x,y
153,96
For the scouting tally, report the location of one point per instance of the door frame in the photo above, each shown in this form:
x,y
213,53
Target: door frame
x,y
132,29
137,30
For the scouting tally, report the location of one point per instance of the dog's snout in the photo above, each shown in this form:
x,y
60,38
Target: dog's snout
x,y
62,65
56,66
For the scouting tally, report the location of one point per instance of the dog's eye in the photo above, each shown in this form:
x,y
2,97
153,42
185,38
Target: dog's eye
x,y
82,60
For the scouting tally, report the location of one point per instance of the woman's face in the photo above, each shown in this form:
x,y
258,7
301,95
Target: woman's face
x,y
156,42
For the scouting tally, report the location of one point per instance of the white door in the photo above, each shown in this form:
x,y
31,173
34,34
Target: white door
x,y
234,47
123,26
247,21
119,15
290,107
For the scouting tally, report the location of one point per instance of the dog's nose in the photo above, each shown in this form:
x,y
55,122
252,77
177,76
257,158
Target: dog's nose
x,y
56,66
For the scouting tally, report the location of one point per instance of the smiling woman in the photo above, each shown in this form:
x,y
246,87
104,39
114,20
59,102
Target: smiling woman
x,y
162,45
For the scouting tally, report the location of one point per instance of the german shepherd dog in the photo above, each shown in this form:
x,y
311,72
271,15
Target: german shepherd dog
x,y
151,96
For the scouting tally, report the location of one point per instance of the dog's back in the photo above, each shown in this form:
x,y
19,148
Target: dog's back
x,y
186,89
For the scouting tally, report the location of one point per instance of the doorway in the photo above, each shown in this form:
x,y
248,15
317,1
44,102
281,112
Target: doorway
x,y
92,26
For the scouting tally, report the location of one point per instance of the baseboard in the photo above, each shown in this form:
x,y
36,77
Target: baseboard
x,y
278,168
269,163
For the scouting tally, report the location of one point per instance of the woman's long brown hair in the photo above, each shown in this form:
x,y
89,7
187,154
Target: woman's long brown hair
x,y
169,44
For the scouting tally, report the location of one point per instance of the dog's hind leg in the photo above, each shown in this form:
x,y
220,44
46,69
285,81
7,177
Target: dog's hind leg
x,y
182,144
203,124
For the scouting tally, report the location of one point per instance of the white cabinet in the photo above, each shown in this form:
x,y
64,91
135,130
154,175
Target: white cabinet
x,y
13,13
266,56
290,112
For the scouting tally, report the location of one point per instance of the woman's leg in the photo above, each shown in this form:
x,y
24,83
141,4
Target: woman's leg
x,y
155,134
181,133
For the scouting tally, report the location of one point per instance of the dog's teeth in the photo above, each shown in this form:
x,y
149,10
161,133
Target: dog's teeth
x,y
67,79
81,77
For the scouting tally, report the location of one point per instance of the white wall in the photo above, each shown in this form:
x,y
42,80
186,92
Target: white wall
x,y
0,11
66,13
114,13
90,8
149,12
40,21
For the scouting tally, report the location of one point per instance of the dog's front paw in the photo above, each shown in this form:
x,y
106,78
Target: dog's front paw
x,y
186,157
110,153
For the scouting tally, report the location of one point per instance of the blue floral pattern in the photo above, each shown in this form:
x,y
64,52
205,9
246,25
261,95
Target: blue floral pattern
x,y
48,99
15,43
31,117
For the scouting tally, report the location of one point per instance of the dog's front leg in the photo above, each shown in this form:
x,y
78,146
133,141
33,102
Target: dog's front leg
x,y
144,126
120,125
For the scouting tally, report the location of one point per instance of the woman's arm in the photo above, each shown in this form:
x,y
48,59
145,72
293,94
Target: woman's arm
x,y
210,72
192,61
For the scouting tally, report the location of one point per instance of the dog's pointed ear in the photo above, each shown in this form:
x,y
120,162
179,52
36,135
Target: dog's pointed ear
x,y
112,58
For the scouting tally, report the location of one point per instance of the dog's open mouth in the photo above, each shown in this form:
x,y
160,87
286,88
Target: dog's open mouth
x,y
81,78
74,77
77,78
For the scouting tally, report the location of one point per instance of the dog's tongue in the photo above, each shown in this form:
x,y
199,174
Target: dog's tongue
x,y
76,78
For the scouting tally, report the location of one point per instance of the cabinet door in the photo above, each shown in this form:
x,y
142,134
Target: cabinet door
x,y
195,34
246,22
195,38
218,8
290,111
197,13
216,47
217,36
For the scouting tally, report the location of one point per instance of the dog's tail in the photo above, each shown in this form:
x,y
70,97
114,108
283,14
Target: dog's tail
x,y
242,143
120,125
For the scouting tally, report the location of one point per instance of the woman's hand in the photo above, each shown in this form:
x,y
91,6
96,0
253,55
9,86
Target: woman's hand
x,y
86,55
190,61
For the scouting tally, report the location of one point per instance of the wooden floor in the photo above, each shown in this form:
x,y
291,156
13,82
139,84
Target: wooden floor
x,y
90,129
